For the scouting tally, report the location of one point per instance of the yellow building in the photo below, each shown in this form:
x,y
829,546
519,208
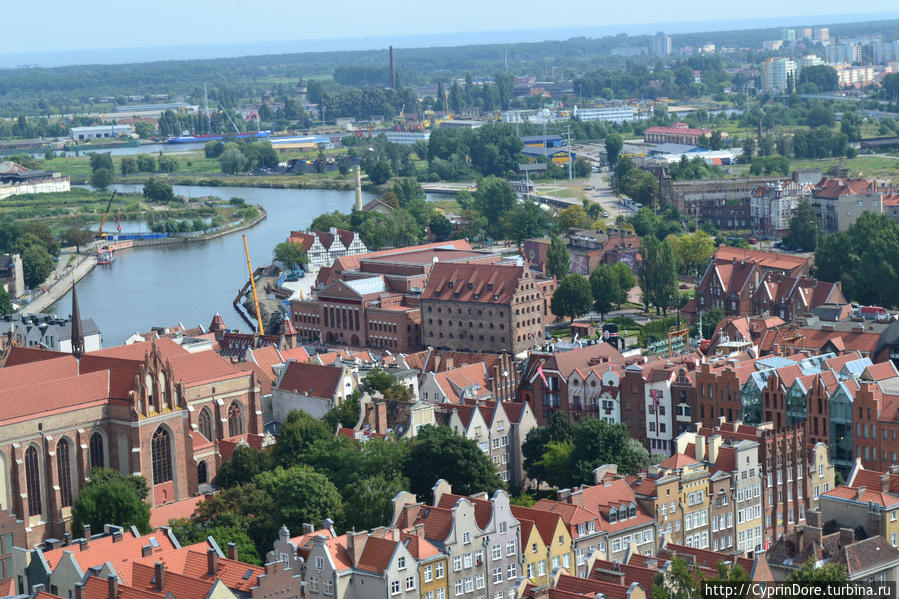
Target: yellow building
x,y
694,499
549,544
431,567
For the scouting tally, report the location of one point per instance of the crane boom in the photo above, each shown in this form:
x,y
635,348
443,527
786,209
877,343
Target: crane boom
x,y
253,286
105,214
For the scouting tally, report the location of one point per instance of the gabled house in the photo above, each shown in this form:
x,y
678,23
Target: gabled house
x,y
311,388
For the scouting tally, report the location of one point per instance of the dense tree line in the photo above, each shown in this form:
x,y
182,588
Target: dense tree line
x,y
865,258
313,474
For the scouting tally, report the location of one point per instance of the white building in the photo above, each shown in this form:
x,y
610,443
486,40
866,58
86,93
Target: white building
x,y
615,114
322,248
777,74
810,60
407,138
50,331
100,131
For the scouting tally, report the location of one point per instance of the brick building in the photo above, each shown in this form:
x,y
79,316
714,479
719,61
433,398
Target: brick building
x,y
588,249
485,307
375,303
150,408
579,382
679,133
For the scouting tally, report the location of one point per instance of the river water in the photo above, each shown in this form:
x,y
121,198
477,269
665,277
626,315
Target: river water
x,y
190,282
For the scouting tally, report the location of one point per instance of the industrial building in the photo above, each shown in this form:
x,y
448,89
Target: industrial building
x,y
101,131
407,138
614,114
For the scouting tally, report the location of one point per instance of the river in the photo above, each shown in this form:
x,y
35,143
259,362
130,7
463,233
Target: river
x,y
189,283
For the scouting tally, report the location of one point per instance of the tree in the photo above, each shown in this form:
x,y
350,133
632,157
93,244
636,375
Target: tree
x,y
804,229
558,260
303,495
128,165
440,226
407,189
292,255
6,306
101,160
641,186
694,250
167,164
582,168
145,129
614,143
604,288
146,163
245,463
379,172
526,219
494,198
626,281
158,190
190,531
233,160
573,217
864,259
76,236
298,431
37,264
437,452
555,462
101,178
851,125
111,498
658,274
369,501
214,149
832,573
345,414
824,77
597,442
710,319
572,297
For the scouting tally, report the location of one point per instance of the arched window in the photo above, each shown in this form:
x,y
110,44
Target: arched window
x,y
63,467
202,475
98,459
162,456
163,391
205,423
235,419
33,482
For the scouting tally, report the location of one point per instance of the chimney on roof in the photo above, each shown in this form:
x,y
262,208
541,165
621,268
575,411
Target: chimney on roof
x,y
420,531
714,444
232,551
212,561
86,535
117,535
700,447
159,569
112,585
859,491
79,590
146,551
355,544
308,528
885,482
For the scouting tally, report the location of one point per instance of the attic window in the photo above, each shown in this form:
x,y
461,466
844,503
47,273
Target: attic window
x,y
470,285
154,542
495,297
248,574
449,284
489,286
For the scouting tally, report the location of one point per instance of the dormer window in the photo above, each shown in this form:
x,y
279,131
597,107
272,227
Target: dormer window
x,y
470,285
489,286
449,284
613,515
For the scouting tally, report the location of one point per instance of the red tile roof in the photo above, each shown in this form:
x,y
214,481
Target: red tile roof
x,y
27,373
297,354
483,508
102,550
203,367
419,548
438,522
678,460
25,355
63,393
314,379
546,522
869,496
767,260
236,575
571,514
182,586
591,588
138,351
162,514
834,187
452,381
98,588
376,554
479,283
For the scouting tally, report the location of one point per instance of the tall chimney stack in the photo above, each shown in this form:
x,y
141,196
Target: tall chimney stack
x,y
358,172
392,71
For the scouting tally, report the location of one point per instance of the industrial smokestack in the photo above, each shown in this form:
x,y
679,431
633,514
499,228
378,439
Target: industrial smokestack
x,y
392,71
358,173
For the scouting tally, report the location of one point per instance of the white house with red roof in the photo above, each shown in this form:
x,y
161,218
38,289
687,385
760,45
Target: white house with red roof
x,y
323,247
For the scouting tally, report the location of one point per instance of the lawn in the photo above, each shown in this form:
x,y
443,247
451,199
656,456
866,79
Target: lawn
x,y
867,166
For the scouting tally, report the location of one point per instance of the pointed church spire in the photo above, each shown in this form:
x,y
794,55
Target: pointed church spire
x,y
77,331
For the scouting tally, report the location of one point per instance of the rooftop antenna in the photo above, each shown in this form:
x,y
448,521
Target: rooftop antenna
x,y
205,100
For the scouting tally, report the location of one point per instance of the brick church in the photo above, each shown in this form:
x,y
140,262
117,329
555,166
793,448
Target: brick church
x,y
151,408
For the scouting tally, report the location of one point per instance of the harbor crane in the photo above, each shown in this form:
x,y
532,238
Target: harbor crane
x,y
246,248
100,234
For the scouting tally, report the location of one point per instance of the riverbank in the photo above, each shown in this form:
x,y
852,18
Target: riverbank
x,y
70,273
62,285
249,181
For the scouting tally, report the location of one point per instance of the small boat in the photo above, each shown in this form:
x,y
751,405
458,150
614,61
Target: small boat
x,y
104,256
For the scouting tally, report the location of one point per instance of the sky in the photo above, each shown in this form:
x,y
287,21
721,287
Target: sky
x,y
64,26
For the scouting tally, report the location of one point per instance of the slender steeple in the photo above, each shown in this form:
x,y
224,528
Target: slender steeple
x,y
77,331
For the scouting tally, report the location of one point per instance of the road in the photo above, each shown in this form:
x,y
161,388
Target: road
x,y
602,191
